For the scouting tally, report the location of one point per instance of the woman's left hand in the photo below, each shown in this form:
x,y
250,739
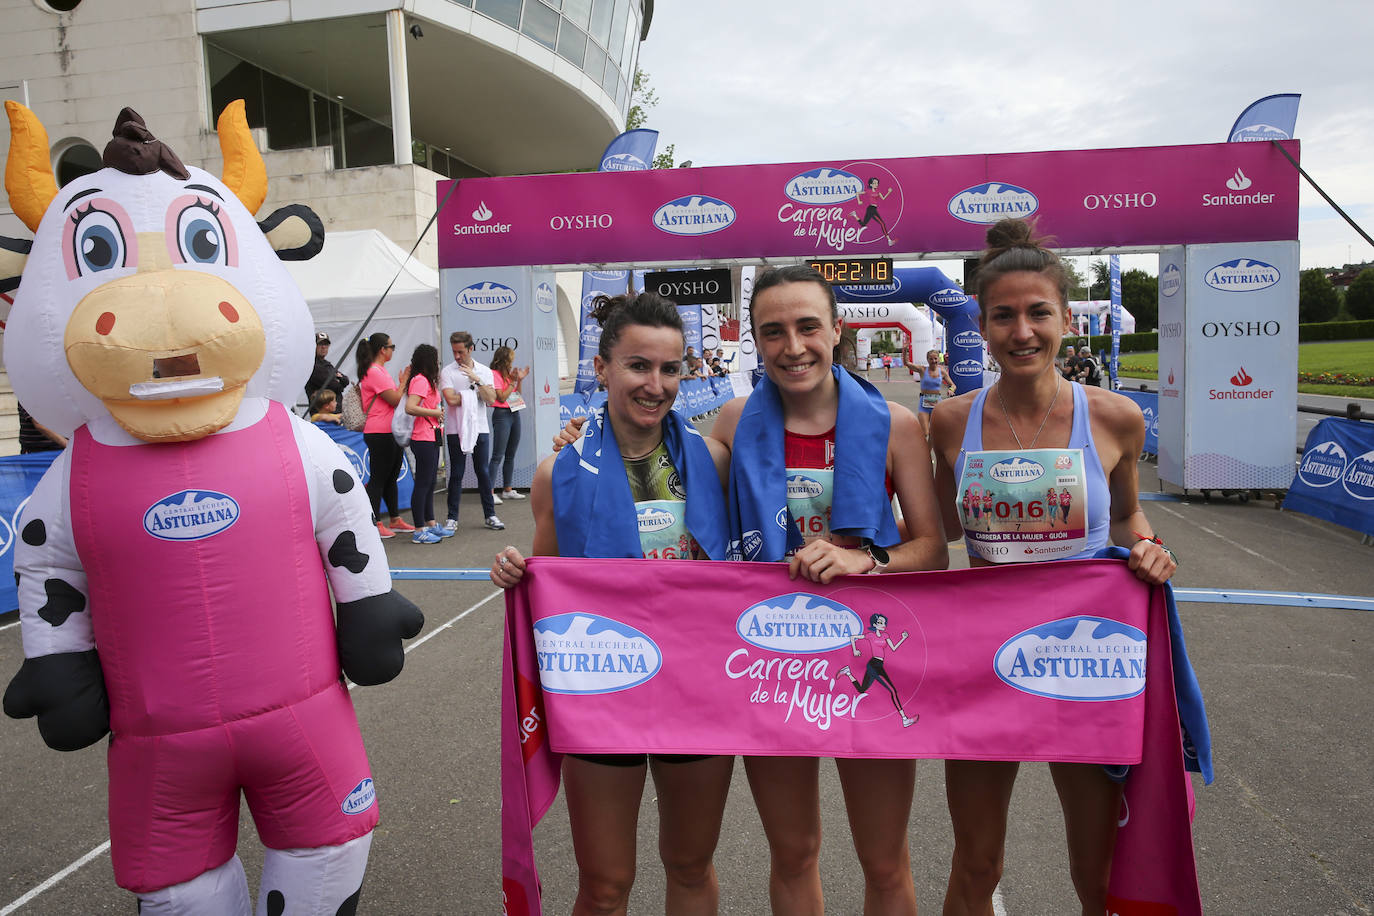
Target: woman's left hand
x,y
821,561
1151,562
508,569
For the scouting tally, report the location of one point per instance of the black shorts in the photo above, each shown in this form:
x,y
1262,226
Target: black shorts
x,y
634,760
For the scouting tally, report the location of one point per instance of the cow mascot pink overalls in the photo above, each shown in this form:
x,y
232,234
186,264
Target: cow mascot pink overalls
x,y
176,562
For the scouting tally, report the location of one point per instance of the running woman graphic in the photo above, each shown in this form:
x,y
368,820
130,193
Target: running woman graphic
x,y
1052,498
879,642
1064,500
868,199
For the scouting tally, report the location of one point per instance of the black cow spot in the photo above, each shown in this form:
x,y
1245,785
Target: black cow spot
x,y
344,553
35,533
63,601
276,903
350,906
343,481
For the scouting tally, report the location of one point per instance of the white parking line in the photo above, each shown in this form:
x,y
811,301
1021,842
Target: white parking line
x,y
105,846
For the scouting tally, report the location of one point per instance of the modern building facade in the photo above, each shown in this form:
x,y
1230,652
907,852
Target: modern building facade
x,y
359,106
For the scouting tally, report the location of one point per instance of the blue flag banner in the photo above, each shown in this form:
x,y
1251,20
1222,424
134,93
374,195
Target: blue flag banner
x,y
1114,273
19,474
691,326
1148,402
1335,479
632,151
1274,117
694,398
355,448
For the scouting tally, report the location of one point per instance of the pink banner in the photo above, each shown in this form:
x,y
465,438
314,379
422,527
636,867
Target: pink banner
x,y
954,664
1140,197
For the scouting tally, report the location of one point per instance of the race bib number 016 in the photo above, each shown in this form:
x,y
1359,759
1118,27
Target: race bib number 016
x,y
1023,506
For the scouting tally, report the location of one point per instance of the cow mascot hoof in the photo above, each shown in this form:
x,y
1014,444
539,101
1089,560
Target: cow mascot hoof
x,y
177,561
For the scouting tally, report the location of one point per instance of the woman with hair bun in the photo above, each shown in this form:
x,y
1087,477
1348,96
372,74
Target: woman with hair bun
x,y
1090,436
646,456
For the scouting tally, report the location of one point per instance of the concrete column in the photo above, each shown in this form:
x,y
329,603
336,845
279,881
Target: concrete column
x,y
399,75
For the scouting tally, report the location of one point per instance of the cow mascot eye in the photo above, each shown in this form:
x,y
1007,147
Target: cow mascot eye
x,y
98,241
200,235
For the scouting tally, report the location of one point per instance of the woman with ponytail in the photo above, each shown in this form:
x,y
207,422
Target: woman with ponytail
x,y
422,403
380,396
1091,438
645,455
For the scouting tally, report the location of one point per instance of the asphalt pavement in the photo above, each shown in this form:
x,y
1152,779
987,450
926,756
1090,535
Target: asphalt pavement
x,y
1284,829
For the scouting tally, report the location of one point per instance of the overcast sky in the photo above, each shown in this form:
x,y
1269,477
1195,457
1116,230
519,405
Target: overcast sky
x,y
742,81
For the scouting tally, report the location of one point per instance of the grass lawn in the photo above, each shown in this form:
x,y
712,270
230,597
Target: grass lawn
x,y
1349,357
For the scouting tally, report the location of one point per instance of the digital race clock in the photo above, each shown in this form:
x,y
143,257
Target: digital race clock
x,y
854,271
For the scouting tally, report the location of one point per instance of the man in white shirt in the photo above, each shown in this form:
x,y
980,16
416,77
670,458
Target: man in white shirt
x,y
467,388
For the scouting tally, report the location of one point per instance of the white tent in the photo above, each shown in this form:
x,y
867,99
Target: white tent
x,y
344,281
1100,308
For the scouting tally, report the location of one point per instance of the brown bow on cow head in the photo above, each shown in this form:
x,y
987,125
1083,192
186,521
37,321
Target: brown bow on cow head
x,y
135,151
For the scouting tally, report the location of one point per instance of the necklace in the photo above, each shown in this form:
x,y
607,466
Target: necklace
x,y
1057,382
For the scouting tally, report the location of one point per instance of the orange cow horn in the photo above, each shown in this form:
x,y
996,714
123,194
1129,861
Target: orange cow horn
x,y
28,172
244,171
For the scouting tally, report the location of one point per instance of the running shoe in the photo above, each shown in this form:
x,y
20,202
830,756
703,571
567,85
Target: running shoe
x,y
384,531
425,536
495,524
512,494
496,497
402,525
451,525
441,531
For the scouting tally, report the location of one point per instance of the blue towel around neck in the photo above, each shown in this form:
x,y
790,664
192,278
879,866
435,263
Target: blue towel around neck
x,y
1192,714
594,510
761,528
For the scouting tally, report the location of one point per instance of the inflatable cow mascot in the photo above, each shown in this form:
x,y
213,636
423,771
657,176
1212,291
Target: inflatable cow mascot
x,y
176,563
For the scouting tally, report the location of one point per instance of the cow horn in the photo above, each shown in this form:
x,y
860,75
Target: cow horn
x,y
28,172
244,171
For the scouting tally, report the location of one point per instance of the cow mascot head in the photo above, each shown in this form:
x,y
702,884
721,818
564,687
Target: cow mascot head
x,y
177,560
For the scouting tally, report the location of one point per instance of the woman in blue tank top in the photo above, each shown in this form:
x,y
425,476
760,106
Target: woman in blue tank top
x,y
1092,437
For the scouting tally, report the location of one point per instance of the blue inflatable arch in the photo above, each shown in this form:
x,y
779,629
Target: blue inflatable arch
x,y
930,286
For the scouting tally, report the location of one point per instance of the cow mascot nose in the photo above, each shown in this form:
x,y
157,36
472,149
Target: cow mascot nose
x,y
199,566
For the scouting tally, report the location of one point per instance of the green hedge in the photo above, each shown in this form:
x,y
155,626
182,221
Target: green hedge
x,y
1148,341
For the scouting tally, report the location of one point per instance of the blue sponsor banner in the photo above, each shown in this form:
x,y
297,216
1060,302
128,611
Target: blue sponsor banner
x,y
355,448
594,283
1148,402
694,398
632,151
1114,273
1274,117
1335,479
19,474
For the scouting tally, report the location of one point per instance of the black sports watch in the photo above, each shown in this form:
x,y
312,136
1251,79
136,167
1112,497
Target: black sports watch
x,y
877,554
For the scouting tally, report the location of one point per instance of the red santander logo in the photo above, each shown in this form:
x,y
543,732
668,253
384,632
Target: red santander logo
x,y
1242,391
1241,379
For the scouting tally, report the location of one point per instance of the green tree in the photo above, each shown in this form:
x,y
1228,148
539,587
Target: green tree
x,y
1359,298
643,98
1078,287
1102,280
1317,299
1140,297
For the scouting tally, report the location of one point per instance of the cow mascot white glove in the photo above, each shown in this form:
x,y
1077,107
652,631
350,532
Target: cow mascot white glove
x,y
176,562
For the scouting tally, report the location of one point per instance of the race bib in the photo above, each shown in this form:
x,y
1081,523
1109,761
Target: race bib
x,y
1023,506
808,499
929,399
663,531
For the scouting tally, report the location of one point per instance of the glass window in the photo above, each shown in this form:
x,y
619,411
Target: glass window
x,y
74,161
419,153
467,3
622,10
327,132
579,12
596,61
507,11
572,43
365,141
621,94
631,36
232,78
610,78
541,24
287,113
601,21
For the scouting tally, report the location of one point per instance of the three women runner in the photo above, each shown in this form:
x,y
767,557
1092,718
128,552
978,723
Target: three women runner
x,y
809,417
668,466
1095,437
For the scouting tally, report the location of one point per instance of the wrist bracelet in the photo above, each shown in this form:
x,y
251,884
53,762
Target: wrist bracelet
x,y
1155,540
